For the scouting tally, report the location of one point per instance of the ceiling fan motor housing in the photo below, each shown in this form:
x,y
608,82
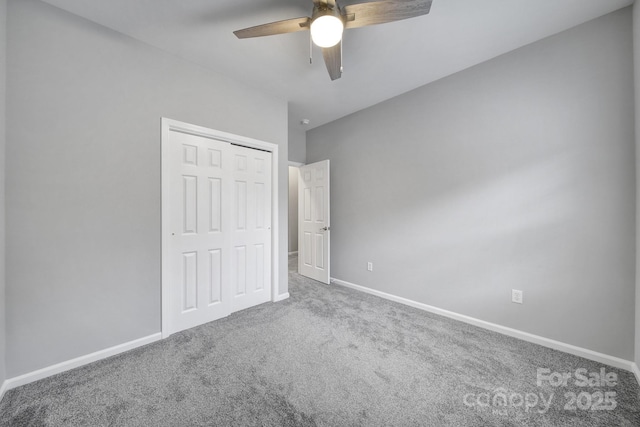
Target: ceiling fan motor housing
x,y
326,10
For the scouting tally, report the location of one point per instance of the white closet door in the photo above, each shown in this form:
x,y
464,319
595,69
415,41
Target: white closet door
x,y
200,181
251,227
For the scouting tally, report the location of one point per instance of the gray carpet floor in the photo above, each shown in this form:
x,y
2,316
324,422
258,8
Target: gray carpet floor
x,y
328,356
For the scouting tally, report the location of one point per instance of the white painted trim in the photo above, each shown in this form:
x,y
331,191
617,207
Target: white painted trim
x,y
169,125
30,377
166,230
636,371
275,222
3,389
293,253
281,297
525,336
295,164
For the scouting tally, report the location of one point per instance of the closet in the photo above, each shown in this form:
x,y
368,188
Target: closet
x,y
218,216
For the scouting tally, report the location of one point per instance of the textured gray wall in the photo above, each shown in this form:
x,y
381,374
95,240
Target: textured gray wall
x,y
517,173
298,154
297,142
293,209
83,178
3,64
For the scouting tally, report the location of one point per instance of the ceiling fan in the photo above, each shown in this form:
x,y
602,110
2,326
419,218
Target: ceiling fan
x,y
330,18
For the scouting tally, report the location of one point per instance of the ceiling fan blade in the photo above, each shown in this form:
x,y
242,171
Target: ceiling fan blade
x,y
380,12
345,3
279,27
333,60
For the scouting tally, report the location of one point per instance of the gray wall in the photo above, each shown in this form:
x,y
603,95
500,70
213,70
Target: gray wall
x,y
297,141
293,209
298,154
3,50
517,173
636,56
83,178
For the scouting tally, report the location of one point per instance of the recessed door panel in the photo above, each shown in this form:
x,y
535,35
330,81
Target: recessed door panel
x,y
215,205
190,155
259,267
190,205
307,245
241,270
241,162
241,205
215,276
319,251
319,205
189,281
260,205
215,158
306,200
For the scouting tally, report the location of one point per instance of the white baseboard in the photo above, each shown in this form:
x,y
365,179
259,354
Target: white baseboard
x,y
77,362
3,389
293,253
281,297
636,371
525,336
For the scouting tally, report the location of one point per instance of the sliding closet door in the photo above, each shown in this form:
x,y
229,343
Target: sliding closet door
x,y
251,224
219,248
201,176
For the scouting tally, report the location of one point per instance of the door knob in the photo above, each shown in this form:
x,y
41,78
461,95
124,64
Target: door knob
x,y
326,228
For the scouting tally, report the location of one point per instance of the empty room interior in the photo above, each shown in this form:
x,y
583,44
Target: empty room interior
x,y
319,213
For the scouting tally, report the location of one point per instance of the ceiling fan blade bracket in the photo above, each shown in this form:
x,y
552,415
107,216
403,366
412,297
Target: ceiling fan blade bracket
x,y
374,12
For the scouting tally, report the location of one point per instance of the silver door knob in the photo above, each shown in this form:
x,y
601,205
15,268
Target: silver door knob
x,y
326,228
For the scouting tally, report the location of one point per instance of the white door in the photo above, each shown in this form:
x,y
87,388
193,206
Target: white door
x,y
220,220
251,225
200,260
313,221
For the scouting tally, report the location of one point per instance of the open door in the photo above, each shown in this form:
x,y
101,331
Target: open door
x,y
314,235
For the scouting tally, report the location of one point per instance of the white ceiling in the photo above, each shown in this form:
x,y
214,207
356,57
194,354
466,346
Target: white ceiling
x,y
379,61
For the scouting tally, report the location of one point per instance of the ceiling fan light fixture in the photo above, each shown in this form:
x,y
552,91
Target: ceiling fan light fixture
x,y
326,30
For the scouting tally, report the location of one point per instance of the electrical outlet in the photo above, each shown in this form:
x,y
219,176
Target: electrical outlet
x,y
516,296
369,266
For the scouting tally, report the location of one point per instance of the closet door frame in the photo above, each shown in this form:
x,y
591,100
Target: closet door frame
x,y
170,125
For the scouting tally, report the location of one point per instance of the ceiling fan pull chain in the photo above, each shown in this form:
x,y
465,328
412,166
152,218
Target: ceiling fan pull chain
x,y
310,49
341,50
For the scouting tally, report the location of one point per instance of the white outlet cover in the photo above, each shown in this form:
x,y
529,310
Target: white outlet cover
x,y
516,296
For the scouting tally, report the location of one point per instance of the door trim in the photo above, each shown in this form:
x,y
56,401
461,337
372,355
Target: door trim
x,y
170,125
